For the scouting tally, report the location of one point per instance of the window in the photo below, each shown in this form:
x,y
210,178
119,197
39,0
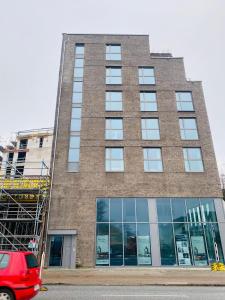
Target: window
x,y
114,160
41,140
123,232
31,261
113,101
19,171
152,160
78,73
184,101
113,52
193,160
21,157
148,101
4,260
150,129
74,149
114,129
146,75
188,230
113,75
23,143
75,127
76,119
188,129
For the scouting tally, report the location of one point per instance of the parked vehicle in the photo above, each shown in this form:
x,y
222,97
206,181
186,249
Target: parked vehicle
x,y
19,275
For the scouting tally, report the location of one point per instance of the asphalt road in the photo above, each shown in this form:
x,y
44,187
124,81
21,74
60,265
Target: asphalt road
x,y
131,292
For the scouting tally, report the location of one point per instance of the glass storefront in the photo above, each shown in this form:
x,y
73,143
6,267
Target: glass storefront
x,y
122,232
188,232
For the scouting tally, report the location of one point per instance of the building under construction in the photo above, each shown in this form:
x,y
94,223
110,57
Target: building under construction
x,y
24,190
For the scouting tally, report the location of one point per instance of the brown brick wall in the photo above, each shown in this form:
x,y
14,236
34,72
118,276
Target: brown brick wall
x,y
74,194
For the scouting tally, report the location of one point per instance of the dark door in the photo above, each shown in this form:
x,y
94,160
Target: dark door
x,y
56,250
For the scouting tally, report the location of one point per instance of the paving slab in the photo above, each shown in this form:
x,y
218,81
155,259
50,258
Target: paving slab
x,y
134,276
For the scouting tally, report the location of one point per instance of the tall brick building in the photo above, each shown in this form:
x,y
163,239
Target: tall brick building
x,y
135,180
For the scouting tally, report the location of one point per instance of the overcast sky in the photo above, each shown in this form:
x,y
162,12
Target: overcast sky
x,y
31,35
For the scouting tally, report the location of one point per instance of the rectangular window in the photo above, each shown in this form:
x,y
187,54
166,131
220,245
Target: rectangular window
x,y
114,160
148,101
114,129
77,97
41,141
123,232
113,52
146,75
74,151
152,160
76,119
150,129
193,160
113,75
184,101
188,129
113,101
23,144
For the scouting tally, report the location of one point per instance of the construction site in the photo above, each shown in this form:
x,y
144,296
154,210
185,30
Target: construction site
x,y
24,191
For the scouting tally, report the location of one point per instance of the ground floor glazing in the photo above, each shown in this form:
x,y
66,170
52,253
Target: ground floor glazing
x,y
160,231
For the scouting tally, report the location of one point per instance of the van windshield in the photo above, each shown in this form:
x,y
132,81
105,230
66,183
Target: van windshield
x,y
31,261
4,260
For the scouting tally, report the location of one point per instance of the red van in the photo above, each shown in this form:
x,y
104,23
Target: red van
x,y
19,275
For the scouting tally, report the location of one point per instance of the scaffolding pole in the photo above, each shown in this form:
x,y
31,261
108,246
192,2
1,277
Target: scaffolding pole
x,y
23,206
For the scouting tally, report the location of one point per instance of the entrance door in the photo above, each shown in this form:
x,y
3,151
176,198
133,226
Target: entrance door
x,y
56,250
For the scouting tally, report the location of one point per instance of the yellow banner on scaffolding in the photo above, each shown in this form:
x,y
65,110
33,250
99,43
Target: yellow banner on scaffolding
x,y
23,183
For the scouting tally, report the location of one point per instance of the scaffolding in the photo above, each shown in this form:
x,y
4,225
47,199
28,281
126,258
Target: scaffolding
x,y
23,206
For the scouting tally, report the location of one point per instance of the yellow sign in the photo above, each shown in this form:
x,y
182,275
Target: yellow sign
x,y
16,184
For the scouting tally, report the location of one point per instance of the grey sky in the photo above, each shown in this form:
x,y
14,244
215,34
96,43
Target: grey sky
x,y
31,34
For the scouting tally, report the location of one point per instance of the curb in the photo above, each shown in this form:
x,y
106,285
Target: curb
x,y
144,284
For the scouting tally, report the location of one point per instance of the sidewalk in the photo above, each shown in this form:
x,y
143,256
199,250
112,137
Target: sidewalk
x,y
134,276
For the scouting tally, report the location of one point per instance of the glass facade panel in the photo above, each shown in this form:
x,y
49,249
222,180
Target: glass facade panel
x,y
179,210
167,249
142,210
102,245
116,210
129,210
103,210
143,244
193,210
188,232
130,245
182,244
208,211
198,244
164,210
116,244
213,242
